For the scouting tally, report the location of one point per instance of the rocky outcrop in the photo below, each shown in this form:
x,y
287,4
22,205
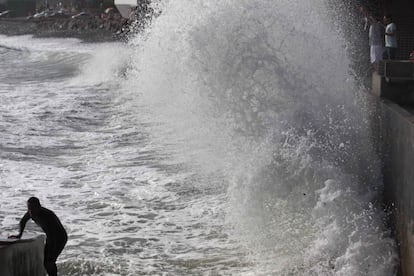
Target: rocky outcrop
x,y
91,29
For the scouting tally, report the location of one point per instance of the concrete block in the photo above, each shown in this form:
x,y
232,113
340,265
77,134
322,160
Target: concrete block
x,y
399,90
399,69
397,131
22,257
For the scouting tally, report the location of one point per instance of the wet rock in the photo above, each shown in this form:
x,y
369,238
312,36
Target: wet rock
x,y
92,29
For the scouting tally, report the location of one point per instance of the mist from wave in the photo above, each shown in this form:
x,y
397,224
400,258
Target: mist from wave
x,y
228,138
262,93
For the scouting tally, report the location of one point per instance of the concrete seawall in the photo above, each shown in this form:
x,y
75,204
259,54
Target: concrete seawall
x,y
22,258
393,94
397,128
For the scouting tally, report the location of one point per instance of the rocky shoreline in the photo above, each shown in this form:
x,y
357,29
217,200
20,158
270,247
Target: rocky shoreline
x,y
88,30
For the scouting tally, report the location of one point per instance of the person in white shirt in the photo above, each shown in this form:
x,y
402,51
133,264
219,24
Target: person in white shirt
x,y
390,37
376,41
375,36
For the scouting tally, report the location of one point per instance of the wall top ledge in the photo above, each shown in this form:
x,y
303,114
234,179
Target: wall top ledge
x,y
5,242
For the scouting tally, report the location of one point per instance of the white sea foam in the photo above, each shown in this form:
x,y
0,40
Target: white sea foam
x,y
229,138
261,92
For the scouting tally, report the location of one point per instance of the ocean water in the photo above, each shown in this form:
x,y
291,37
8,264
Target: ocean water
x,y
229,138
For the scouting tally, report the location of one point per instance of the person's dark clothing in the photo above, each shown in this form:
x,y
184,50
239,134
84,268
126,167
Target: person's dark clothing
x,y
48,221
56,236
390,53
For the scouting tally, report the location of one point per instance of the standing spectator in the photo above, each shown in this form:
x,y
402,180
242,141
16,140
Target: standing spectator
x,y
390,37
375,35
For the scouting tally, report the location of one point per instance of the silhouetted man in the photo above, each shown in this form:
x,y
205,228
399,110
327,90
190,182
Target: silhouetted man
x,y
56,236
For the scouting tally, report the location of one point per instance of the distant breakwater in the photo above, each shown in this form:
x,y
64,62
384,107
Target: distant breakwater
x,y
88,29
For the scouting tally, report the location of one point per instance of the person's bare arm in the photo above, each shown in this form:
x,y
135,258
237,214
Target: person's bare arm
x,y
392,30
391,33
371,19
363,10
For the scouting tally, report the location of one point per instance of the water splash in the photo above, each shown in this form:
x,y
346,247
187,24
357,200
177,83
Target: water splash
x,y
228,138
261,93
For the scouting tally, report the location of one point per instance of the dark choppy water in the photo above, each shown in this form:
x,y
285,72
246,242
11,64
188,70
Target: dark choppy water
x,y
228,140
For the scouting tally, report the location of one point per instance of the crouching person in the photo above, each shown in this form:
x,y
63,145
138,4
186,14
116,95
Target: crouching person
x,y
56,236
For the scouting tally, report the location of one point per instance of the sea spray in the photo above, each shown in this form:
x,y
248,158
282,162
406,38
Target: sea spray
x,y
228,138
261,92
